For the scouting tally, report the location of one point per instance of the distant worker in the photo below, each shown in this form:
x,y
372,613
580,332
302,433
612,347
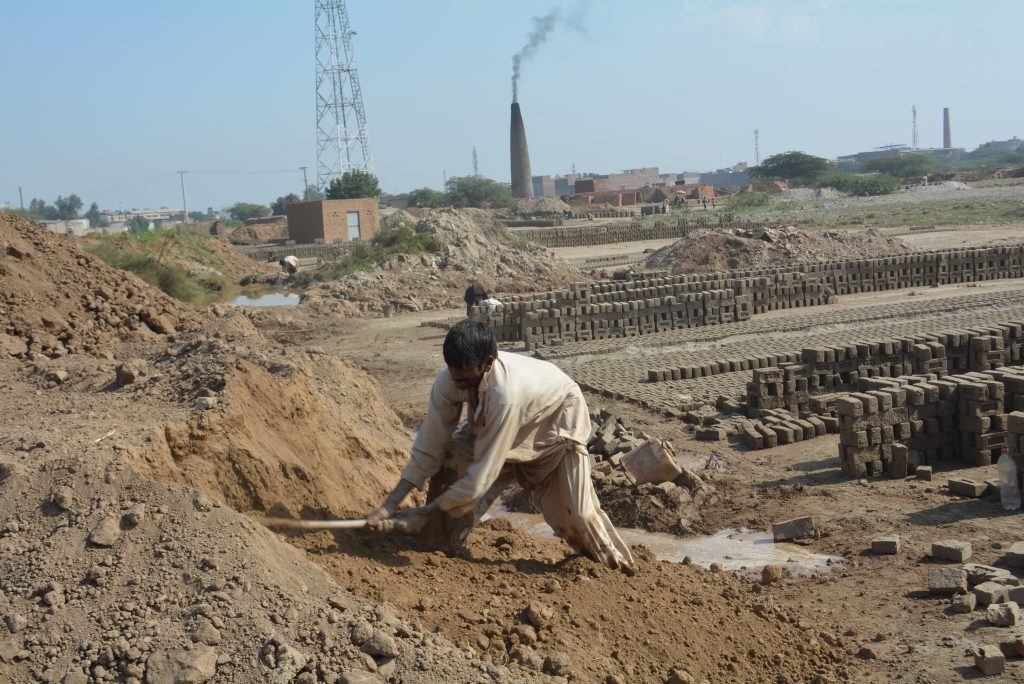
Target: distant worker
x,y
704,201
492,305
512,398
475,294
712,202
289,265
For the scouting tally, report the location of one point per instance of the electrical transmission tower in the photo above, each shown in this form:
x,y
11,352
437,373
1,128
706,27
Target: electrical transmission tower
x,y
342,143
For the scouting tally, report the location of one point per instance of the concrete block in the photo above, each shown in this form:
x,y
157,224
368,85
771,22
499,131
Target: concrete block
x,y
969,488
991,592
797,528
963,603
1014,556
989,659
978,573
886,545
1003,614
947,581
711,434
953,550
924,472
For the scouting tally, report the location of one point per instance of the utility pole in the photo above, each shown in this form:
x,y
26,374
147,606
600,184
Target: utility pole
x,y
305,184
757,147
184,206
913,135
476,167
21,198
444,175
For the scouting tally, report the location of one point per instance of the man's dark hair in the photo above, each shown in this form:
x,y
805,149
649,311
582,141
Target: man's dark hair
x,y
469,343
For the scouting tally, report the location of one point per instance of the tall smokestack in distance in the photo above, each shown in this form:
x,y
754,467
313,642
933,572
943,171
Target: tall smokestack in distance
x,y
522,182
947,134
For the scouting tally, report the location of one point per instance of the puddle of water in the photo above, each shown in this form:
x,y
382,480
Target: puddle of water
x,y
271,299
735,549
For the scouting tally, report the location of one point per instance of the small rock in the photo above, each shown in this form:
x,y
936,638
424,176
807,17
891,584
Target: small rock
x,y
557,664
1013,648
130,372
947,581
538,614
716,567
356,677
797,528
15,622
361,632
381,644
107,532
867,653
988,659
771,574
679,676
206,403
205,633
289,662
883,546
526,633
57,377
956,551
135,515
180,667
1003,614
963,603
63,498
12,527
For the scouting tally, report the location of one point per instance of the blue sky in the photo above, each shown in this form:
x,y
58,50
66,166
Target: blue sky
x,y
109,99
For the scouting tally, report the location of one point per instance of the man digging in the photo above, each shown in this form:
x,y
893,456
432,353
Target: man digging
x,y
510,397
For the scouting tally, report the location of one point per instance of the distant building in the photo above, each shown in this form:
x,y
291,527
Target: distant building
x,y
73,227
333,220
725,178
5,205
153,215
1011,144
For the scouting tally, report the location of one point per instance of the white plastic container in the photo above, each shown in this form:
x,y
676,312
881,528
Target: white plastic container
x,y
1009,492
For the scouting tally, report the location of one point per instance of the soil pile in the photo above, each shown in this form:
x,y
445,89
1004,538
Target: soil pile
x,y
520,601
538,206
707,251
59,300
260,233
476,247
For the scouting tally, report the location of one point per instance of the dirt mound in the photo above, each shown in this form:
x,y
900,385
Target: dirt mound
x,y
260,233
706,251
523,602
59,300
538,206
476,247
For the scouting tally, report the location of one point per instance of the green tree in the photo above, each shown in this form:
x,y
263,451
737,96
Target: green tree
x,y
872,184
353,185
242,211
41,211
800,167
68,207
903,166
312,194
427,198
96,219
196,216
277,207
477,191
138,225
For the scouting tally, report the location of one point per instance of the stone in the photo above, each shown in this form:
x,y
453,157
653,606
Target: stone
x,y
15,622
361,632
526,633
130,372
924,473
989,659
1015,594
289,662
951,549
107,532
1003,614
1014,556
557,664
991,592
75,677
205,633
538,614
679,676
57,377
947,581
206,403
1013,648
711,434
182,667
796,528
970,488
652,461
978,573
63,498
963,603
135,515
771,574
381,644
9,649
886,546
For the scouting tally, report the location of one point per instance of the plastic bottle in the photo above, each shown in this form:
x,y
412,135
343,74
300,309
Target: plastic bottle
x,y
1009,492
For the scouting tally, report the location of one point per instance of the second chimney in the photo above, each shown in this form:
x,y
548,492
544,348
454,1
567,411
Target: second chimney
x,y
947,134
522,182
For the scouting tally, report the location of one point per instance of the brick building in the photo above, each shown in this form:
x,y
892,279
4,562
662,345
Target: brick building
x,y
333,220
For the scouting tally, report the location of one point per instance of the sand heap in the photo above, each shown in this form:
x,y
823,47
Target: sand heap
x,y
706,251
59,300
476,247
259,233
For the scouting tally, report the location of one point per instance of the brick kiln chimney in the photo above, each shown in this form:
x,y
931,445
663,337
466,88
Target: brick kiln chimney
x,y
522,182
947,134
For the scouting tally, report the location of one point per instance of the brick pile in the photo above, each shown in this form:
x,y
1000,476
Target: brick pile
x,y
635,231
657,302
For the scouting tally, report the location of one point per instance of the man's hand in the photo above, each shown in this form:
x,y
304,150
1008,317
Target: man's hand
x,y
409,521
375,520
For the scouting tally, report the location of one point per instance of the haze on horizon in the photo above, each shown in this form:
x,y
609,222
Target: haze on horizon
x,y
110,100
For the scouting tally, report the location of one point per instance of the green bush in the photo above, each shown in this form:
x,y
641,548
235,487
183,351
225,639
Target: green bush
x,y
875,184
750,200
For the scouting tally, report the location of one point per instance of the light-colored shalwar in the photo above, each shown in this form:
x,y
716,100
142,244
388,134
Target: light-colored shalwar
x,y
519,397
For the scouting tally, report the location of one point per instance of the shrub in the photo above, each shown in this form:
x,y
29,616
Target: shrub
x,y
750,200
875,184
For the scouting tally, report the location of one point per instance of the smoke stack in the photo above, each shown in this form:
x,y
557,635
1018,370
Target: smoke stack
x,y
522,182
947,134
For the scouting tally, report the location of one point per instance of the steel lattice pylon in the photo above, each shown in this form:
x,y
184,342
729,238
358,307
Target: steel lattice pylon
x,y
342,143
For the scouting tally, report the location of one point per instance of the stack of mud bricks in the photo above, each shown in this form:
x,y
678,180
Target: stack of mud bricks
x,y
902,423
1013,399
657,301
778,427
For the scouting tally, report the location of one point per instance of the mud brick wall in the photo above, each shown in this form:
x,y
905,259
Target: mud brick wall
x,y
913,421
